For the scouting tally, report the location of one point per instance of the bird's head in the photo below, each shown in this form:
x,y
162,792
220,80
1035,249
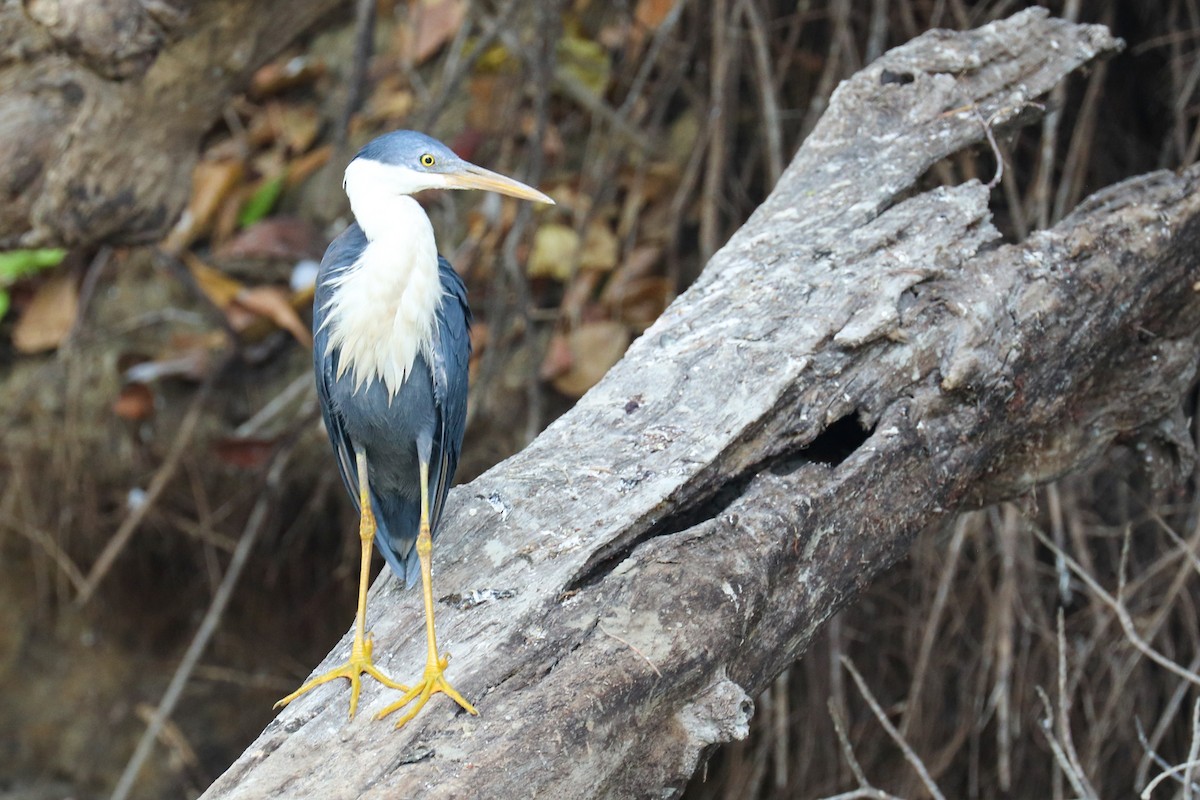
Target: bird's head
x,y
405,162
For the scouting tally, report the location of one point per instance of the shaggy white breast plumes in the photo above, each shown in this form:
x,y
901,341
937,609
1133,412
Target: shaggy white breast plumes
x,y
382,309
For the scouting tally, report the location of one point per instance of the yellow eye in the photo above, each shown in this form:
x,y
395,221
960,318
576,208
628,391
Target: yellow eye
x,y
428,160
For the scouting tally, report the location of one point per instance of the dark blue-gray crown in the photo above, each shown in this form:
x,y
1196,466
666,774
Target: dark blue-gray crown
x,y
410,149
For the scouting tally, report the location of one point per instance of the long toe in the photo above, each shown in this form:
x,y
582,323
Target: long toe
x,y
431,683
352,671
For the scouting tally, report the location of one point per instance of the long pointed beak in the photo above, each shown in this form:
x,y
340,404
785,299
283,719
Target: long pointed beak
x,y
470,176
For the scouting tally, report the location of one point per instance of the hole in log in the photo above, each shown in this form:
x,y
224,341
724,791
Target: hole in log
x,y
836,443
900,78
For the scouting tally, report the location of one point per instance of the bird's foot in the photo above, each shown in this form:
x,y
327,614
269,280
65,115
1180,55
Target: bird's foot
x,y
431,683
360,662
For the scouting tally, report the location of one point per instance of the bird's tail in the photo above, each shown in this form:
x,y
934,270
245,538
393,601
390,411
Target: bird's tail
x,y
397,523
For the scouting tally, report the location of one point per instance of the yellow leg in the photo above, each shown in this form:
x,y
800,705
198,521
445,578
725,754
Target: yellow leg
x,y
434,679
360,652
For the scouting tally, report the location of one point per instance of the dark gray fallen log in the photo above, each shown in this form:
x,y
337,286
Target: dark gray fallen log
x,y
103,104
857,363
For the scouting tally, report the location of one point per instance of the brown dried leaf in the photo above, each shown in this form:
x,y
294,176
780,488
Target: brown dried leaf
x,y
290,238
390,99
246,453
212,184
135,402
250,310
275,303
394,105
651,13
49,316
431,24
216,285
288,73
225,224
594,348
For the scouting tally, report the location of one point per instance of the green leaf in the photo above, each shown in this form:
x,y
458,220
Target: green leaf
x,y
17,264
261,202
5,302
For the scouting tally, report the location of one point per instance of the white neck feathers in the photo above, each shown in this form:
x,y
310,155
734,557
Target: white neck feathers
x,y
382,309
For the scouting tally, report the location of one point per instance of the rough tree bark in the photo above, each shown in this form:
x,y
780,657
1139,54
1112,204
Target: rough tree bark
x,y
103,104
858,362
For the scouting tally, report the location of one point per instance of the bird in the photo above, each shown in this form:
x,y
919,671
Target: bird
x,y
391,347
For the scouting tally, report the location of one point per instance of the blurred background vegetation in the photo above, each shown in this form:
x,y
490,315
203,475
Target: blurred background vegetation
x,y
1022,651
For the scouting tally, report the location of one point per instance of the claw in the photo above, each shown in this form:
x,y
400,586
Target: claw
x,y
433,682
360,662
